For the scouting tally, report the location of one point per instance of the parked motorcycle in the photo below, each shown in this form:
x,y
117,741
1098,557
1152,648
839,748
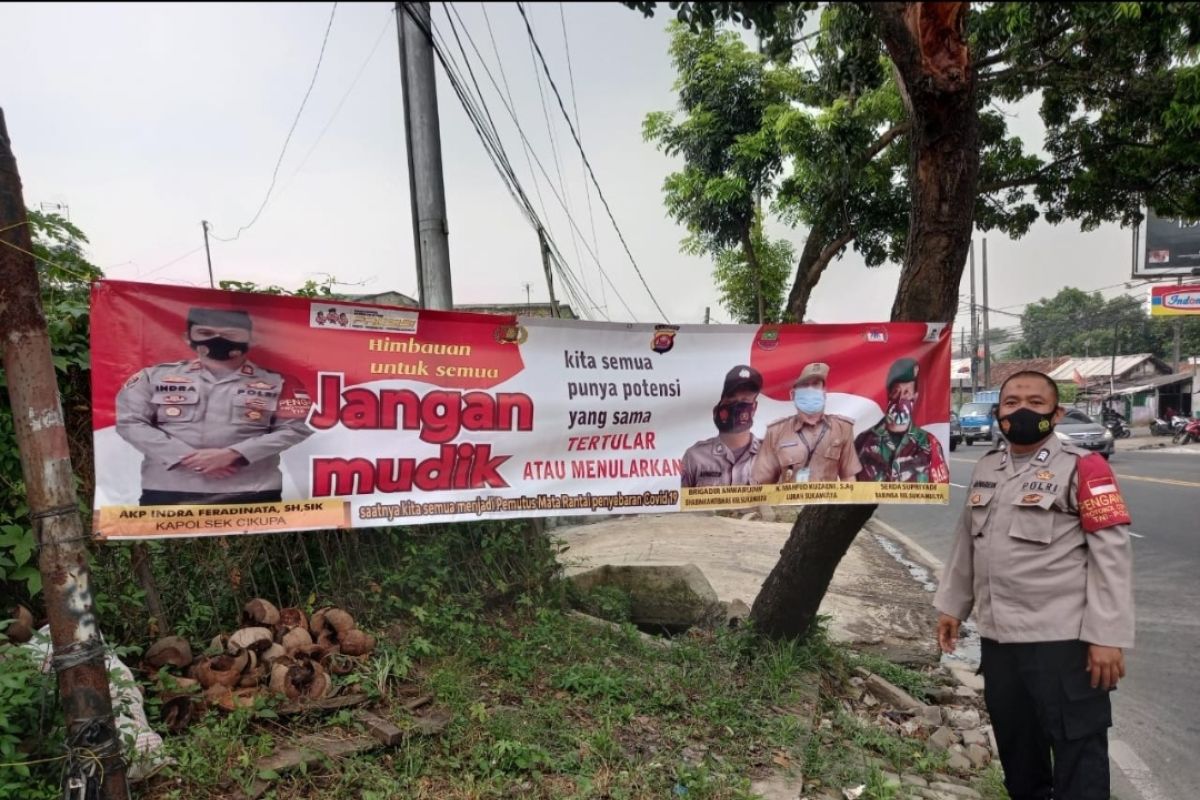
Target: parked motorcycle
x,y
1162,427
1190,432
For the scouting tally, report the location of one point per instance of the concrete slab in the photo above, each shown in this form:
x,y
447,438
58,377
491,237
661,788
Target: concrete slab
x,y
874,602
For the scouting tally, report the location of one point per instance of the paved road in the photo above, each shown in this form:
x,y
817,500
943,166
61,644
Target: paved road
x,y
1156,736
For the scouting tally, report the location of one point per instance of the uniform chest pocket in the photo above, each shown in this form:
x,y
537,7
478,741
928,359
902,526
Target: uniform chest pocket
x,y
1033,518
253,410
981,504
834,451
175,407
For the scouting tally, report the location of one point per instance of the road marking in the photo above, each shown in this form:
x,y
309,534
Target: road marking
x,y
1167,481
958,486
1138,535
964,460
1136,770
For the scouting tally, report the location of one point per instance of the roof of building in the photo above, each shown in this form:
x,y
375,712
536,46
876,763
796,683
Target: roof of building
x,y
1103,366
1002,370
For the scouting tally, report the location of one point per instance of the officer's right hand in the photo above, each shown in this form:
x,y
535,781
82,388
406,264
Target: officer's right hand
x,y
947,632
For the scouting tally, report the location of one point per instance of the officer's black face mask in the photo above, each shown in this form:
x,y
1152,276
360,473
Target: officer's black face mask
x,y
219,348
736,417
1026,426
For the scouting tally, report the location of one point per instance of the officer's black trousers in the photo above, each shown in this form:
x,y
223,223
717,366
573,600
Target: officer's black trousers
x,y
1040,698
158,497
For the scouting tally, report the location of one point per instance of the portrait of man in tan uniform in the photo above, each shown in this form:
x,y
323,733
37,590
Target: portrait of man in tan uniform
x,y
725,459
810,445
210,429
1042,558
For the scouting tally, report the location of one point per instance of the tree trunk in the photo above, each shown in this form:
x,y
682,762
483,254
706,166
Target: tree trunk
x,y
928,46
755,270
818,252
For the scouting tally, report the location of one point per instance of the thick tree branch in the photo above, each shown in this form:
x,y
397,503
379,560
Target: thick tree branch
x,y
813,260
1005,55
883,141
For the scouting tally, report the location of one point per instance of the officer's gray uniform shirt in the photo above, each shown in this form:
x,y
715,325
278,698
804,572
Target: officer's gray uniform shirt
x,y
171,410
1023,562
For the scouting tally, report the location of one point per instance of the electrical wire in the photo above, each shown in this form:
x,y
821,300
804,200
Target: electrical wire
x,y
587,188
484,125
583,154
338,109
287,140
525,140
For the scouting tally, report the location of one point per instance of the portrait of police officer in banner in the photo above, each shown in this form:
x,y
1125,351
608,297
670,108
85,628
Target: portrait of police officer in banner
x,y
896,450
211,428
725,459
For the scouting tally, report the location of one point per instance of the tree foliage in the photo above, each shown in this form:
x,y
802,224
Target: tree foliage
x,y
1118,90
738,282
1078,323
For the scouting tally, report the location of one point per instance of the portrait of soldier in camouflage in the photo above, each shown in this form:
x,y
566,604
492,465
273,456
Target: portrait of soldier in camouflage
x,y
210,429
896,450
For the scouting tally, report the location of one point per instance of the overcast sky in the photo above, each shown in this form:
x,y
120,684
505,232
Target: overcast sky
x,y
146,119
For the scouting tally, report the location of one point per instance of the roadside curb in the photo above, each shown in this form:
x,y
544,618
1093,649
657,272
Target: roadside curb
x,y
928,559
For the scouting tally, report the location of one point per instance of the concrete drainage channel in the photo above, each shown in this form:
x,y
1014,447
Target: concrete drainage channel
x,y
967,654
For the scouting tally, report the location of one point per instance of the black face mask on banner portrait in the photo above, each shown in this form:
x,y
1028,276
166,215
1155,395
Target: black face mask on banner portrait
x,y
733,417
1026,426
219,348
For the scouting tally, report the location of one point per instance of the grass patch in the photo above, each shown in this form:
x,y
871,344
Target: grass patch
x,y
918,684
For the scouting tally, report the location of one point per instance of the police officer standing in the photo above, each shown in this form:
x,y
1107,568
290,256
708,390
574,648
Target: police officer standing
x,y
810,445
725,459
896,450
211,429
1042,555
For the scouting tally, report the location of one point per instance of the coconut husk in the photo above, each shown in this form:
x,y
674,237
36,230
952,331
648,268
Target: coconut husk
x,y
231,699
173,651
217,645
295,639
340,621
253,676
328,640
20,630
272,654
357,643
178,712
291,618
259,612
223,670
256,639
336,663
316,623
305,680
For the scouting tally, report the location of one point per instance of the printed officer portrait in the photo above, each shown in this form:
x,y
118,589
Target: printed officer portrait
x,y
725,459
211,427
897,450
810,445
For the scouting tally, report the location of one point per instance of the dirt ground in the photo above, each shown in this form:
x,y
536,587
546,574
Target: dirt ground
x,y
874,602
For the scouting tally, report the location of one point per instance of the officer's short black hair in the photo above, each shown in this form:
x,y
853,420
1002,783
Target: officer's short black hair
x,y
1032,373
218,318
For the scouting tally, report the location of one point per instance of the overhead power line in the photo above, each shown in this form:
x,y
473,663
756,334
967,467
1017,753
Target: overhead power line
x,y
495,149
591,172
287,140
480,118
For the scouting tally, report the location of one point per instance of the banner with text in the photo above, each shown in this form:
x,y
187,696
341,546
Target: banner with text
x,y
227,412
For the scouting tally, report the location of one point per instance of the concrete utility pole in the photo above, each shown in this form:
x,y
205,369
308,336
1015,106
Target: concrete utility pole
x,y
423,136
987,345
50,489
974,328
554,312
207,254
707,314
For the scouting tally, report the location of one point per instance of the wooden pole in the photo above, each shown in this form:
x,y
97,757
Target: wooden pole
x,y
53,506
